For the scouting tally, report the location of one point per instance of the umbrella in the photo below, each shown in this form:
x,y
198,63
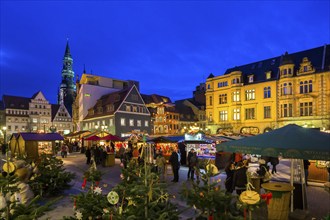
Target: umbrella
x,y
290,141
111,137
93,138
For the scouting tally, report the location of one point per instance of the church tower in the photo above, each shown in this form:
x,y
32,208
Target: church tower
x,y
67,90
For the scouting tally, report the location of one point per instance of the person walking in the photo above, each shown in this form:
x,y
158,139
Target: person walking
x,y
161,163
193,161
190,153
306,166
174,160
64,151
88,154
240,178
274,161
230,169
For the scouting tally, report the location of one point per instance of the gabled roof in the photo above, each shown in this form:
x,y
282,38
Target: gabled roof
x,y
55,108
115,99
15,102
155,98
186,113
319,57
41,136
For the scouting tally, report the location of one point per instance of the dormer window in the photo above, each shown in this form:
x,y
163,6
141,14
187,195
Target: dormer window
x,y
250,78
306,67
268,75
235,81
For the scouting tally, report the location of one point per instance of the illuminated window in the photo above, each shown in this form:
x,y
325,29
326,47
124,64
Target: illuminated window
x,y
146,123
223,115
138,123
250,94
128,108
111,122
268,75
131,122
236,96
122,122
237,114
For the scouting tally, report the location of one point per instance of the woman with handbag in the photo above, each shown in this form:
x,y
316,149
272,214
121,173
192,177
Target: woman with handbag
x,y
263,171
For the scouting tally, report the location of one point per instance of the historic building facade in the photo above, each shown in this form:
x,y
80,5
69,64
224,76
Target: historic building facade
x,y
119,113
67,91
90,88
34,114
164,118
268,94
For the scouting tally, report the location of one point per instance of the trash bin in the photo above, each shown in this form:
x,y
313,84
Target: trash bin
x,y
109,160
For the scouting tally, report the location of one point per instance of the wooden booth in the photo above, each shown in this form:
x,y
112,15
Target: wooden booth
x,y
32,145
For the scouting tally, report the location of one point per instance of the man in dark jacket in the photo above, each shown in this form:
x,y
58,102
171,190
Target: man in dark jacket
x,y
174,160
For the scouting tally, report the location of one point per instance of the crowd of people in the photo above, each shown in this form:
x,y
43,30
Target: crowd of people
x,y
236,171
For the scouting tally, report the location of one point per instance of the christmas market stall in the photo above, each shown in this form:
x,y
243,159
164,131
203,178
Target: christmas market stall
x,y
108,142
291,142
204,146
32,145
165,145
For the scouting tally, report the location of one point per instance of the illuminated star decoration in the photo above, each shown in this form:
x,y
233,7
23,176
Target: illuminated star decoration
x,y
97,190
79,215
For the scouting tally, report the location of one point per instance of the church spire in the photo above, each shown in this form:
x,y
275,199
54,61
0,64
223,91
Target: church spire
x,y
67,91
67,49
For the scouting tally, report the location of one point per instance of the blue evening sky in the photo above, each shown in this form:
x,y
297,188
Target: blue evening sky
x,y
170,47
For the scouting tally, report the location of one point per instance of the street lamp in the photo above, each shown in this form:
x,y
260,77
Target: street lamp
x,y
4,134
4,147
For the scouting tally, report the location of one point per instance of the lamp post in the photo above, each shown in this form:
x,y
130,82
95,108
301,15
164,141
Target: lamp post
x,y
4,146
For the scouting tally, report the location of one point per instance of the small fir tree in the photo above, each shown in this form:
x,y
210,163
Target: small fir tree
x,y
51,178
143,195
207,197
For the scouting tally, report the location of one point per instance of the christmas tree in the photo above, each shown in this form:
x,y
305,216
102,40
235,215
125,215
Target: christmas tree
x,y
14,201
207,197
50,177
143,195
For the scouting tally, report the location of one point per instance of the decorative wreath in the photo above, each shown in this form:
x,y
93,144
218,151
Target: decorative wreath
x,y
113,197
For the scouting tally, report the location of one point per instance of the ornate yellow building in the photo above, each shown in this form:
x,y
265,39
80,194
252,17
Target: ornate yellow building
x,y
268,94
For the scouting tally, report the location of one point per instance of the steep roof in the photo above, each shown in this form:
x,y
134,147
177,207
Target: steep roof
x,y
186,113
155,98
115,99
41,136
319,57
16,102
55,108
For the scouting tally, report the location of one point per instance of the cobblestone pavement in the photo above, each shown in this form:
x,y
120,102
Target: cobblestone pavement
x,y
318,199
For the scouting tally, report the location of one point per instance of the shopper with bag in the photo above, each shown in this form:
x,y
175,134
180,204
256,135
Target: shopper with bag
x,y
263,172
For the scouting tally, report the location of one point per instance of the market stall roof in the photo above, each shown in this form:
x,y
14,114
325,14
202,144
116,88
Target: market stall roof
x,y
111,137
162,139
290,141
77,134
41,136
93,138
176,138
